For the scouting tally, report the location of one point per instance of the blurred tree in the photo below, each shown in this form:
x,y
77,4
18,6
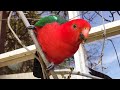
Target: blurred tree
x,y
20,29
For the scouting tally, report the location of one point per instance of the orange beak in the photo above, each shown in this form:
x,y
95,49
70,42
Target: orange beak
x,y
84,34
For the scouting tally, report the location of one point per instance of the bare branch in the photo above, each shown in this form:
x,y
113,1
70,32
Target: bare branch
x,y
118,13
103,17
91,17
112,15
83,13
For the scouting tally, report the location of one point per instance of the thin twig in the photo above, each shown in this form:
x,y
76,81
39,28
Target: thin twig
x,y
71,70
118,13
112,15
103,45
91,18
115,51
101,16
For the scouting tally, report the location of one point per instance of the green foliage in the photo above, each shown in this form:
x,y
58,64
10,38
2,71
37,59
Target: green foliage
x,y
20,29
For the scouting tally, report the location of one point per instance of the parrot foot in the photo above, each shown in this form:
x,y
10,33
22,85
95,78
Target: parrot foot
x,y
31,27
50,66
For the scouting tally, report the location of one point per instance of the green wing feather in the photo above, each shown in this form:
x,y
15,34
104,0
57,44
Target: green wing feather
x,y
50,19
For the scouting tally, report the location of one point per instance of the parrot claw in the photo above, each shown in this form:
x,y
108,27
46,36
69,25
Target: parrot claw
x,y
31,27
50,66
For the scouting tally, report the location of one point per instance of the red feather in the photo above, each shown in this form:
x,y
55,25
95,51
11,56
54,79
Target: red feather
x,y
59,42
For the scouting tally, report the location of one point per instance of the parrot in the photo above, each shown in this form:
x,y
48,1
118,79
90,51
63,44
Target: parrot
x,y
59,39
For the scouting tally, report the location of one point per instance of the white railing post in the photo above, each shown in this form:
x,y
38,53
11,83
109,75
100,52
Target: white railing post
x,y
79,56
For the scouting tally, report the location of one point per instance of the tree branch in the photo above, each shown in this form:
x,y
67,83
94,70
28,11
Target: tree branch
x,y
118,13
103,17
112,15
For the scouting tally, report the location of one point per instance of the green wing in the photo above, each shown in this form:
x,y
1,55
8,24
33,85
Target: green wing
x,y
50,19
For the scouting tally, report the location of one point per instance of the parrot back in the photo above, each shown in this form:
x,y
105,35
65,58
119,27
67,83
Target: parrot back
x,y
50,19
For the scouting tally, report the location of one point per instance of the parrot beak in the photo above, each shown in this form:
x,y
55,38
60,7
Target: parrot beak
x,y
82,37
84,34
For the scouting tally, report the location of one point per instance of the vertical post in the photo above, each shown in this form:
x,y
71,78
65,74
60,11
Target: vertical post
x,y
1,44
79,56
3,23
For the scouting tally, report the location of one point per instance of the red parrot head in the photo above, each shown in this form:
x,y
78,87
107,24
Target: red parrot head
x,y
76,31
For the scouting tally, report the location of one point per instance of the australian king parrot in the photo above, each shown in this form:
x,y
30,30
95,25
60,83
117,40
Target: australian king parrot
x,y
59,38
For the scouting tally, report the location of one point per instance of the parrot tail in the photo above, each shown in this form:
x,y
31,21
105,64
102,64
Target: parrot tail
x,y
37,69
99,74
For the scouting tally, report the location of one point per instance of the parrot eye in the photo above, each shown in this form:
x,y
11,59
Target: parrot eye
x,y
74,26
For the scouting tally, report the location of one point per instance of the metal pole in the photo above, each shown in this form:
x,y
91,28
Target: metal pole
x,y
25,21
